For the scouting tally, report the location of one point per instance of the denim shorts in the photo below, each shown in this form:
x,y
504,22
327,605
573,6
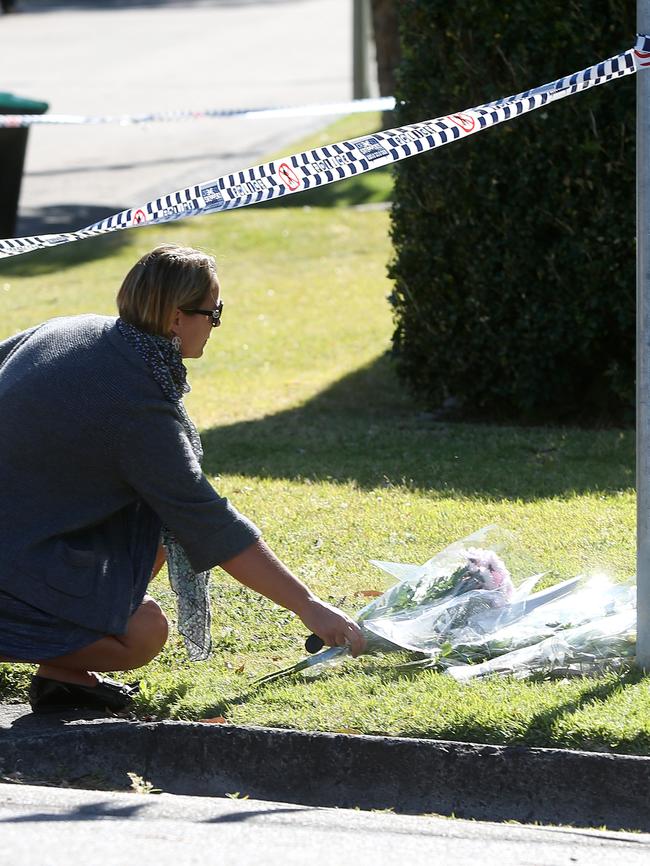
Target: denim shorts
x,y
30,634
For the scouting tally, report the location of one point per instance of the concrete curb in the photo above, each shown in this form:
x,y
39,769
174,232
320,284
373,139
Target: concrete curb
x,y
467,780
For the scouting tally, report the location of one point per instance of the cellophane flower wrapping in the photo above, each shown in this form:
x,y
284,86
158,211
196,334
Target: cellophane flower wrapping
x,y
588,631
471,611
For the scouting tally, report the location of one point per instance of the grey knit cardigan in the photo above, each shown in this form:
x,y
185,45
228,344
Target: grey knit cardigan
x,y
85,433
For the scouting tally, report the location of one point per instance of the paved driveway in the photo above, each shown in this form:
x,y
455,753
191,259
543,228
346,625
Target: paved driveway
x,y
151,55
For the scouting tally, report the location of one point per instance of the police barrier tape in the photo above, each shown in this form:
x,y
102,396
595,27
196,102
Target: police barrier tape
x,y
355,106
323,165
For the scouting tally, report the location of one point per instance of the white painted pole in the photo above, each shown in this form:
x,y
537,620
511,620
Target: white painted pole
x,y
643,348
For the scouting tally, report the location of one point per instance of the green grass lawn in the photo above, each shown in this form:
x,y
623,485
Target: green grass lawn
x,y
308,432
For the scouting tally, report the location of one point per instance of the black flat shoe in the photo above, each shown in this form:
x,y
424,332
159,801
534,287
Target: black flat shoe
x,y
53,696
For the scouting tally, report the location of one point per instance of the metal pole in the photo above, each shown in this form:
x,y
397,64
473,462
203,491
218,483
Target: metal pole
x,y
643,348
360,36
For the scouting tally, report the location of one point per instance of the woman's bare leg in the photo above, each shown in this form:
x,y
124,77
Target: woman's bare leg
x,y
146,635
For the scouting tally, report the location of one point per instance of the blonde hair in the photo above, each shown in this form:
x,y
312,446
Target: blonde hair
x,y
165,279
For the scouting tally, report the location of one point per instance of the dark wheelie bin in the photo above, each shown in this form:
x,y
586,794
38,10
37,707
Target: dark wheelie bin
x,y
13,144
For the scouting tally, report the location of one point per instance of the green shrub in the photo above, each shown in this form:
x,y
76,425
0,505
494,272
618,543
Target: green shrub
x,y
514,259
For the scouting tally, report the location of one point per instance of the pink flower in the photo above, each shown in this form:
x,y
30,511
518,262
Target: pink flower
x,y
491,570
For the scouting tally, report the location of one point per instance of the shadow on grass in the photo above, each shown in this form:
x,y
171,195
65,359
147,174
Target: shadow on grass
x,y
63,218
539,732
375,187
220,708
365,429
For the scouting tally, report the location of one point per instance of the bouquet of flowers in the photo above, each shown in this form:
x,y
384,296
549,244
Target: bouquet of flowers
x,y
461,613
591,630
422,611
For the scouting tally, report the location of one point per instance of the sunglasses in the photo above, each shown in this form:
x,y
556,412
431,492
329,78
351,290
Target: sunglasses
x,y
215,314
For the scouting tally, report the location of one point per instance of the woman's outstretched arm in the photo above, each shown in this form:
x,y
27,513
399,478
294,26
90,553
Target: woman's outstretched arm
x,y
260,569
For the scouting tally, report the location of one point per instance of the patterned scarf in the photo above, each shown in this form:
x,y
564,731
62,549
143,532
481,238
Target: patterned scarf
x,y
191,589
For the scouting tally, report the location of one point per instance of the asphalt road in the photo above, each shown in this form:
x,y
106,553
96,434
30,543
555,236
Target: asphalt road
x,y
67,826
118,58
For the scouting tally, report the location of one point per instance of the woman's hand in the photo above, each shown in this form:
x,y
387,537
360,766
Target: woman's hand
x,y
259,568
333,626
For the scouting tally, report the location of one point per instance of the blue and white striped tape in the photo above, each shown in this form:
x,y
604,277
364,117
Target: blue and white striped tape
x,y
355,106
324,165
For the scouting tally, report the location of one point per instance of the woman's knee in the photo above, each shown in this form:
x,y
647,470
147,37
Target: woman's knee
x,y
147,632
155,625
156,618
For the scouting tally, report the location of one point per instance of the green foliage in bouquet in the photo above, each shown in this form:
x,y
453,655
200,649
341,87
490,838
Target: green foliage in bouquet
x,y
514,249
407,597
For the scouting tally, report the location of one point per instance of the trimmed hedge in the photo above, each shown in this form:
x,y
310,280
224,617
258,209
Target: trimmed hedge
x,y
514,259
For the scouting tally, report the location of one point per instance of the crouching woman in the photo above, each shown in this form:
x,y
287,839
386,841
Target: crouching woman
x,y
100,462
